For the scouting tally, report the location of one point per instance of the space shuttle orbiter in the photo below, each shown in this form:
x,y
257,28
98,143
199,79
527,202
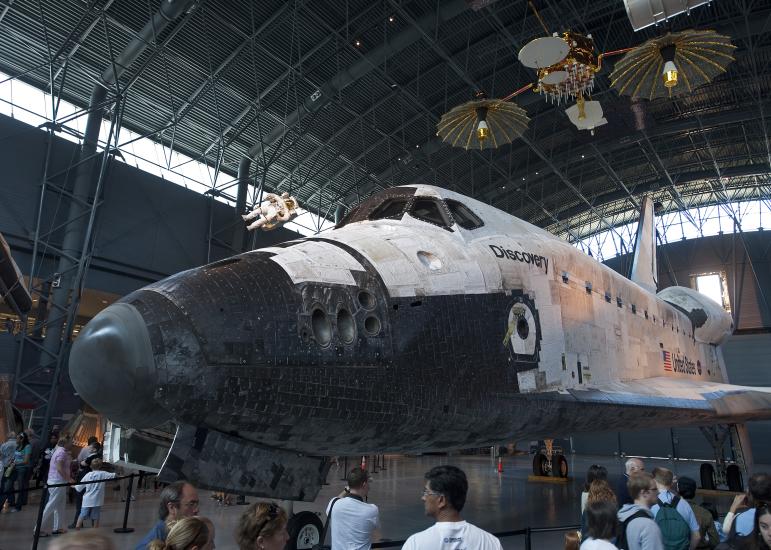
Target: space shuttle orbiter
x,y
425,320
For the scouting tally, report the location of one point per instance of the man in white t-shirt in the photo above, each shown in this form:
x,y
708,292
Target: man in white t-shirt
x,y
444,496
353,521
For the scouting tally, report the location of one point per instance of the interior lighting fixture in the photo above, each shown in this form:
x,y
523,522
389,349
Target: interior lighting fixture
x,y
357,43
391,19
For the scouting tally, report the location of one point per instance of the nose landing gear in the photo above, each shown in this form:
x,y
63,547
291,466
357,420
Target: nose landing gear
x,y
550,461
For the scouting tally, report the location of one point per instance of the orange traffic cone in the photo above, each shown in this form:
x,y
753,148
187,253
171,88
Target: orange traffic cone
x,y
364,463
500,464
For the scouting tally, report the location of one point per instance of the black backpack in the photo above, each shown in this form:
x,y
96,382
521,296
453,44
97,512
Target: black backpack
x,y
621,542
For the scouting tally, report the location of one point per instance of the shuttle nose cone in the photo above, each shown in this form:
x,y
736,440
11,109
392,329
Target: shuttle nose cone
x,y
113,369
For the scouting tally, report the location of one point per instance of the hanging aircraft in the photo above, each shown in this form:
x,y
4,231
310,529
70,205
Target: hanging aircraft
x,y
424,321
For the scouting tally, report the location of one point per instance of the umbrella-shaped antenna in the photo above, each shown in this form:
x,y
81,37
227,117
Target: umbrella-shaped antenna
x,y
482,123
673,64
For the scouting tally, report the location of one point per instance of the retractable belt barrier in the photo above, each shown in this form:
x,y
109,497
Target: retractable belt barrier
x,y
43,500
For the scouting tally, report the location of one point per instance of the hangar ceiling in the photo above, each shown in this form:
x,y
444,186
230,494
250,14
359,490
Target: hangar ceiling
x,y
335,100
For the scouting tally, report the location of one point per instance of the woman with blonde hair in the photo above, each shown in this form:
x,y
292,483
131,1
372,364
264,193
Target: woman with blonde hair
x,y
262,527
599,491
185,534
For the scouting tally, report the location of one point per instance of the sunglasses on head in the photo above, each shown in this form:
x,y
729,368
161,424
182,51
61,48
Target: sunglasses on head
x,y
272,514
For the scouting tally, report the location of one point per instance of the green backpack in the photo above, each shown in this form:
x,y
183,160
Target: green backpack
x,y
674,529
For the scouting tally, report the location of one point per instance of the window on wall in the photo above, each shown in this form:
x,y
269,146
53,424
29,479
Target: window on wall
x,y
33,106
713,285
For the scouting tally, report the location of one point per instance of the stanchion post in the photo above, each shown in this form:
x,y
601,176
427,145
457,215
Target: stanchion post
x,y
345,469
528,542
382,462
125,529
374,465
40,508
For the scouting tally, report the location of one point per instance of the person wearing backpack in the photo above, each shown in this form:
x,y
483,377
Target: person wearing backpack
x,y
686,488
637,529
673,515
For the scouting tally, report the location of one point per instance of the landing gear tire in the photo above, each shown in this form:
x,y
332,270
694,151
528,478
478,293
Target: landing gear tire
x,y
707,475
540,465
733,476
562,467
304,530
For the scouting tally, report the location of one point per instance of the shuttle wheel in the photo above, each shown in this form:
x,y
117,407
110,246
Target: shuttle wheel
x,y
562,467
304,530
707,474
540,465
733,477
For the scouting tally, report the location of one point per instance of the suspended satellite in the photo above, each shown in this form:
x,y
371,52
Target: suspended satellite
x,y
566,64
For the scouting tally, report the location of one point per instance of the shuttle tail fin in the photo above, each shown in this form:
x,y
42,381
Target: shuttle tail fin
x,y
644,269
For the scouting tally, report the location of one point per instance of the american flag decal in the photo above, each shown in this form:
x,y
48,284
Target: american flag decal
x,y
667,361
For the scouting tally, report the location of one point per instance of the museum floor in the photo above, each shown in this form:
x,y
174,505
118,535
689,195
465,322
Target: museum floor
x,y
496,502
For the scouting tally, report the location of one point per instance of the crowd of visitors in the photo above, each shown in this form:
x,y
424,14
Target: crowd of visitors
x,y
351,521
655,511
647,511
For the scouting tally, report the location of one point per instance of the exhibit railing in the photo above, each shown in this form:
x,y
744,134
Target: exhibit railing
x,y
12,495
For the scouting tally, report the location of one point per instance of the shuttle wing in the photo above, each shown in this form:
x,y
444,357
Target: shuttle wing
x,y
723,402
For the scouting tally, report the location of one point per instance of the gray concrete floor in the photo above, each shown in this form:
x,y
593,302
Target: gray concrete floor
x,y
496,502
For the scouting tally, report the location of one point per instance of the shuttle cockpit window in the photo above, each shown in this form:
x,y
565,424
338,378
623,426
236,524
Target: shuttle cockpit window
x,y
390,209
463,215
430,210
380,206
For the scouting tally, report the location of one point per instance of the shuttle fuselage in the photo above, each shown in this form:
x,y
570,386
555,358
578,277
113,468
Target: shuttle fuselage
x,y
426,320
